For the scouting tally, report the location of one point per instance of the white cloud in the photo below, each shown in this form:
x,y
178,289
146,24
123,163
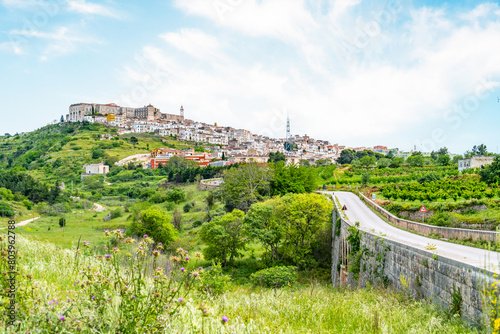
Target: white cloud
x,y
84,7
284,19
412,71
21,3
194,42
13,47
62,41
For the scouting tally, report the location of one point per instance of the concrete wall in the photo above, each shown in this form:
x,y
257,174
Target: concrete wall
x,y
385,260
443,232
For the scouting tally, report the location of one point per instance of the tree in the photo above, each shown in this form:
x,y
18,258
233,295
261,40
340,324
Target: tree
x,y
291,179
455,159
443,160
6,210
156,224
415,160
62,222
396,162
303,216
62,119
480,150
490,174
97,153
263,224
245,185
365,179
346,157
323,163
367,161
276,157
134,141
383,163
225,237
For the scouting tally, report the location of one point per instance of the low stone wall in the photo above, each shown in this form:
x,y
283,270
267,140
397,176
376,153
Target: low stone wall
x,y
443,232
386,261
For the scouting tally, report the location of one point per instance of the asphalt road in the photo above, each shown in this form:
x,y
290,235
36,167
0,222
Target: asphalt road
x,y
357,211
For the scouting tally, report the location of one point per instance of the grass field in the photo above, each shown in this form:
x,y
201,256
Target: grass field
x,y
303,308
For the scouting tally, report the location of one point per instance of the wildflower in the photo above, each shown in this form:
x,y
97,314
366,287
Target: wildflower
x,y
180,300
106,232
185,252
182,269
133,297
145,236
175,259
62,318
496,324
129,241
198,254
224,319
195,274
160,244
187,258
107,256
93,297
205,312
116,250
200,268
156,253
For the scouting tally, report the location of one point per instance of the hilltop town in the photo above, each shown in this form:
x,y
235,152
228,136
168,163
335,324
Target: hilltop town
x,y
234,145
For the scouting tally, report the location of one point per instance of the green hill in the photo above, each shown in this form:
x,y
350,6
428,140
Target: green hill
x,y
58,152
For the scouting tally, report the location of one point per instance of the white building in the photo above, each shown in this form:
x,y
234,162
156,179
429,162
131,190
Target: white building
x,y
96,169
475,162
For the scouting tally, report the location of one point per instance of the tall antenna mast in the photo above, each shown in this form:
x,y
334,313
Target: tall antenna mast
x,y
288,142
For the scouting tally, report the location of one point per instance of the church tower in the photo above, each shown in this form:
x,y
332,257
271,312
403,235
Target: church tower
x,y
182,112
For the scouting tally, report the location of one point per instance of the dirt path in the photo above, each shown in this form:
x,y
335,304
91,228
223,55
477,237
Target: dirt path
x,y
23,223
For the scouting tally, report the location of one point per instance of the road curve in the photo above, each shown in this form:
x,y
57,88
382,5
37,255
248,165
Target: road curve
x,y
357,211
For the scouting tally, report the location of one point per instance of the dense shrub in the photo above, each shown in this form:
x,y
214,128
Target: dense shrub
x,y
187,207
275,277
6,210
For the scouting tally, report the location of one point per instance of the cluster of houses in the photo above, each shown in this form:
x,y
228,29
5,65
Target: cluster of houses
x,y
227,144
237,145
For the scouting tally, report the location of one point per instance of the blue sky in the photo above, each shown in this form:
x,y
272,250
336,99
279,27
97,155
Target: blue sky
x,y
357,73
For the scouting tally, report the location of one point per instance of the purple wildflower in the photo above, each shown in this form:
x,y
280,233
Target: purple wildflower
x,y
182,269
62,318
187,258
145,236
225,319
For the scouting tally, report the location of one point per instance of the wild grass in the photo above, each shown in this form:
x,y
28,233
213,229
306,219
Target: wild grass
x,y
303,308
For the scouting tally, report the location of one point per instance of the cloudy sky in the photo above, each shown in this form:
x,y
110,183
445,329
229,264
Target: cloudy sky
x,y
357,73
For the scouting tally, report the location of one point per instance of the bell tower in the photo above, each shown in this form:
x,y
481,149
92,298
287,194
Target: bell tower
x,y
182,112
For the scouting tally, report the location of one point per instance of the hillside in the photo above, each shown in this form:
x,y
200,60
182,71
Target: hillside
x,y
58,152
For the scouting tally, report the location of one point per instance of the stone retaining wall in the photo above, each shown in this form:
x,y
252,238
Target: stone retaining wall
x,y
387,261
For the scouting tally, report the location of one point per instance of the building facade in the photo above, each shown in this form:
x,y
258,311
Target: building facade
x,y
474,162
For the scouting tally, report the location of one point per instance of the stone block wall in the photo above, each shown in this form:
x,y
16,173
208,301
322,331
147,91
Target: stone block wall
x,y
390,262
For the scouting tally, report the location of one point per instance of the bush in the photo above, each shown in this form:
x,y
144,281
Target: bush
x,y
214,281
176,195
6,210
187,207
116,213
197,223
275,277
62,222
